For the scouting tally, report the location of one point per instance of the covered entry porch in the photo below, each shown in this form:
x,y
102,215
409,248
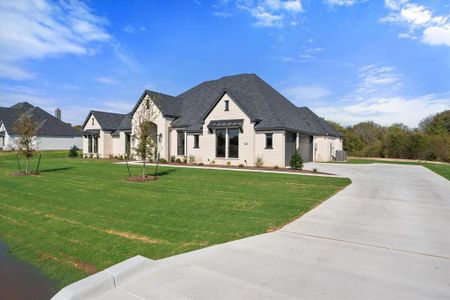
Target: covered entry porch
x,y
301,142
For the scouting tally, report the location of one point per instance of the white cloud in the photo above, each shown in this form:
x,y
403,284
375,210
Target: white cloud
x,y
435,35
386,110
272,13
376,79
118,106
301,95
342,2
420,22
39,29
133,29
376,97
106,80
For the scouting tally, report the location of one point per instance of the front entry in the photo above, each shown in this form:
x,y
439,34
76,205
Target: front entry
x,y
290,138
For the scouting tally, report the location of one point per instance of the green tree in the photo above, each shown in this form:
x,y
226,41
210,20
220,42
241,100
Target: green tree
x,y
145,132
296,162
26,130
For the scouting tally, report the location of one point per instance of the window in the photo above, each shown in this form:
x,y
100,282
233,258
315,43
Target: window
x,y
220,142
180,143
147,103
96,144
233,143
269,140
196,141
2,141
90,143
227,105
92,122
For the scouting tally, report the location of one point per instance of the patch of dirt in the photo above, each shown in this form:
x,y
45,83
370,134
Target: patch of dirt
x,y
25,174
83,266
143,179
131,236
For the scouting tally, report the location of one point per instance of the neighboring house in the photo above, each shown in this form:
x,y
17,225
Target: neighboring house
x,y
236,120
52,133
106,134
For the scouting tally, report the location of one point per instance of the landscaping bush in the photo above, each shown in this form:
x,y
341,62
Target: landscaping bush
x,y
178,161
172,159
228,163
111,156
73,152
163,160
275,167
185,160
259,162
191,159
241,165
296,162
201,164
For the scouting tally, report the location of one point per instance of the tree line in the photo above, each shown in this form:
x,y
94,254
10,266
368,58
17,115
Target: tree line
x,y
430,141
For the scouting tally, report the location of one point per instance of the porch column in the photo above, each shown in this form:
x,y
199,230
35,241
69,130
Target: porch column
x,y
297,141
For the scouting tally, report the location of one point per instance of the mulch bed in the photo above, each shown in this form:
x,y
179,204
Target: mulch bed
x,y
286,170
24,174
143,179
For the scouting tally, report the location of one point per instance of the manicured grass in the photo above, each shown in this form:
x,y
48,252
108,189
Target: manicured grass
x,y
441,169
80,216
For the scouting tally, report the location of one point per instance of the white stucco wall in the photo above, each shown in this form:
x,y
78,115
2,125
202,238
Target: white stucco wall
x,y
90,126
274,156
208,140
57,143
44,142
325,146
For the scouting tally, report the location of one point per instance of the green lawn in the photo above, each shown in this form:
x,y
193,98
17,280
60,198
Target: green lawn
x,y
80,216
441,169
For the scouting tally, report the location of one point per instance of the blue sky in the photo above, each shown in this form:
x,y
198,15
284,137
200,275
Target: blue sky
x,y
348,60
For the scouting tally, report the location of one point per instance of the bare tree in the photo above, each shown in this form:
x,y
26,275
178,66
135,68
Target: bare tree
x,y
26,129
145,132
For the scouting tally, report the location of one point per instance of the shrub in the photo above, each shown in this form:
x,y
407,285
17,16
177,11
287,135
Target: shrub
x,y
296,162
275,167
241,165
96,155
178,161
185,160
111,156
191,159
315,170
91,155
172,159
163,160
200,164
213,162
120,157
228,163
73,152
259,162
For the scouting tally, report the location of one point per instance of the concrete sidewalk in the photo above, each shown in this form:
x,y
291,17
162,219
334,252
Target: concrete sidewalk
x,y
385,236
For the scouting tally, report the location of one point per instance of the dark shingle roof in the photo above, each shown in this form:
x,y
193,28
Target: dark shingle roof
x,y
125,124
169,106
106,120
48,124
263,104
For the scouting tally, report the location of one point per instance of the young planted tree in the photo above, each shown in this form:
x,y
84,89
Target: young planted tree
x,y
26,130
296,162
145,132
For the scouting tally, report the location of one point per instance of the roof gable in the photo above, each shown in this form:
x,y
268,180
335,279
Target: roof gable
x,y
233,98
106,120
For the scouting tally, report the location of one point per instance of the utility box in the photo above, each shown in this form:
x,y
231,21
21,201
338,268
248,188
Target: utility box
x,y
341,155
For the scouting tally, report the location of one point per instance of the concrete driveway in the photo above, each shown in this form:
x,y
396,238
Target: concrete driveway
x,y
386,236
